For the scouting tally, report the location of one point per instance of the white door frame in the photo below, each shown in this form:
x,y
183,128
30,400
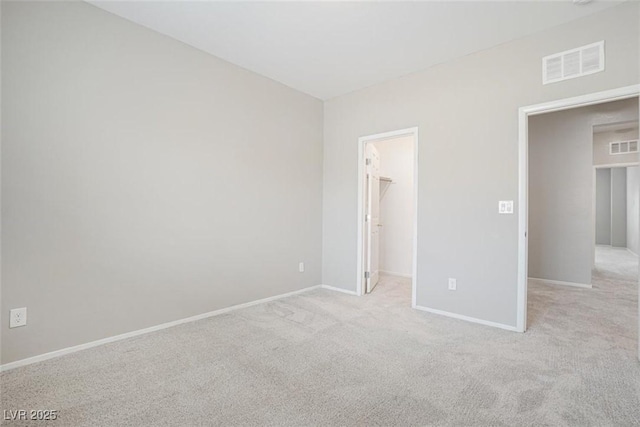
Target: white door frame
x,y
523,174
361,223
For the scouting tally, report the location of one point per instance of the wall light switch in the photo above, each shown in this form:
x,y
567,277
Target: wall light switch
x,y
452,284
301,267
505,207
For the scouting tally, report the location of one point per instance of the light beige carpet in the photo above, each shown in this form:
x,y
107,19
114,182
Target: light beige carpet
x,y
325,358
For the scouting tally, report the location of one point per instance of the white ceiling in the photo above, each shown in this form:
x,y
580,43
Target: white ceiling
x,y
327,49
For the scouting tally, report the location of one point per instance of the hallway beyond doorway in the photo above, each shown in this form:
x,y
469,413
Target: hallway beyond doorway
x,y
615,264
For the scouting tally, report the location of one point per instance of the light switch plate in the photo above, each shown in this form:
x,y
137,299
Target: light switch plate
x,y
505,206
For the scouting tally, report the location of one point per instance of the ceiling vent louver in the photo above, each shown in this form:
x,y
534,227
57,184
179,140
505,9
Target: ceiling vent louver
x,y
573,63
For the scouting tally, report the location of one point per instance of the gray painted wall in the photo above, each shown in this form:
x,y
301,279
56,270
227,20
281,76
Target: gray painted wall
x,y
633,208
467,114
603,206
144,181
619,207
601,142
561,224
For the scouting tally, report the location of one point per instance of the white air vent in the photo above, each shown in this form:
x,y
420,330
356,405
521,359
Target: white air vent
x,y
573,63
623,147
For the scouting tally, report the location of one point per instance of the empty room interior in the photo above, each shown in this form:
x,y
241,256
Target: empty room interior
x,y
320,213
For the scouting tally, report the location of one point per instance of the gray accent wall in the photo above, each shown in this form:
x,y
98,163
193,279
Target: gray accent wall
x,y
603,206
467,114
601,155
619,207
144,181
633,208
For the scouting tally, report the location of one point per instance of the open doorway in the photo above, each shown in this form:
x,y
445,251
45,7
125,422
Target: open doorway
x,y
387,212
578,214
617,199
565,147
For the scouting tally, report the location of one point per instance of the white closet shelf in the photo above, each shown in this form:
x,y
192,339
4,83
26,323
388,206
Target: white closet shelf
x,y
386,179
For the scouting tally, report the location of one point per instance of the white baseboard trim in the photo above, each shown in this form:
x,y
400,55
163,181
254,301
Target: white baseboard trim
x,y
467,318
69,350
561,283
333,288
392,273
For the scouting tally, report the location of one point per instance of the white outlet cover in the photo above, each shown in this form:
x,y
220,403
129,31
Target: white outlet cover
x,y
301,267
18,317
505,207
452,284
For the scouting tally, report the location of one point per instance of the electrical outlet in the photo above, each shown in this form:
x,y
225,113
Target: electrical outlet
x,y
301,267
18,317
452,284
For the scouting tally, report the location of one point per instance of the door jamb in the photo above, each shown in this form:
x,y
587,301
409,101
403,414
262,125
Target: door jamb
x,y
361,171
523,174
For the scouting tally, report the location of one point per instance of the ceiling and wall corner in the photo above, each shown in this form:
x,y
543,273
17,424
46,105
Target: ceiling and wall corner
x,y
327,49
84,48
478,161
133,169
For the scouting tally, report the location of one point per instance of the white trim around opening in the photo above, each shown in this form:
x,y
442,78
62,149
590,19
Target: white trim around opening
x,y
523,172
362,141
